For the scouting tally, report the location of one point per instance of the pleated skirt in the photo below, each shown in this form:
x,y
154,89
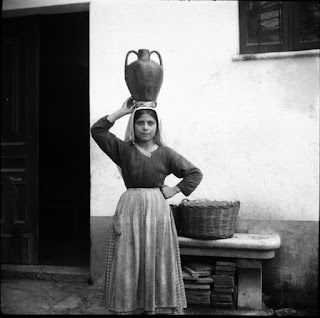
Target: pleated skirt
x,y
142,272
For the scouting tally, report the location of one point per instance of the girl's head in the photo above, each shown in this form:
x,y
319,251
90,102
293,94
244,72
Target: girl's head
x,y
130,134
146,126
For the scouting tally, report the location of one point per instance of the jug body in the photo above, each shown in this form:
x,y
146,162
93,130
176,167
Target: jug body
x,y
144,76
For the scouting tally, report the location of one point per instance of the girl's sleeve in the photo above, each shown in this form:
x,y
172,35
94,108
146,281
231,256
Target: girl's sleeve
x,y
108,142
183,168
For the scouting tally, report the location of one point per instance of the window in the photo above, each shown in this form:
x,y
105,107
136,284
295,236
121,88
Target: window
x,y
278,26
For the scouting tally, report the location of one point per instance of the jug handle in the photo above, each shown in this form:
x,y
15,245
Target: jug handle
x,y
126,61
159,56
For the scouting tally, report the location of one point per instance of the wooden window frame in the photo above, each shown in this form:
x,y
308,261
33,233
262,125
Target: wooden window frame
x,y
290,31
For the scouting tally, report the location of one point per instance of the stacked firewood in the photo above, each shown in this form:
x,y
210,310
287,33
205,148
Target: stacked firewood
x,y
224,288
198,282
207,284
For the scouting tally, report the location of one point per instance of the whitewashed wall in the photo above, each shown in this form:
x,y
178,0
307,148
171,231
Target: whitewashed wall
x,y
252,127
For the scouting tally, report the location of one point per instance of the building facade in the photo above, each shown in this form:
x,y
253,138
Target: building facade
x,y
248,119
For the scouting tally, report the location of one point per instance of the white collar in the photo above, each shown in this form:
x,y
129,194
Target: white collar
x,y
146,152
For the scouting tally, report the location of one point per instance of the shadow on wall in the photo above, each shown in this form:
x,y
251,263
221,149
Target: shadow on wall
x,y
291,278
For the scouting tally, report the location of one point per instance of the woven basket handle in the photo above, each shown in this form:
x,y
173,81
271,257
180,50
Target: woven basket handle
x,y
184,200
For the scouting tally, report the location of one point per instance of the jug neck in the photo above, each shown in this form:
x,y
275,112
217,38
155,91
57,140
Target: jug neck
x,y
143,54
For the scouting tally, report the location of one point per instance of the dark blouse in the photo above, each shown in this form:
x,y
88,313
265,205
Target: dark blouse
x,y
140,171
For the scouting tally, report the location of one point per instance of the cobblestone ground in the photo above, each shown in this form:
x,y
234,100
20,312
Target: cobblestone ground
x,y
27,296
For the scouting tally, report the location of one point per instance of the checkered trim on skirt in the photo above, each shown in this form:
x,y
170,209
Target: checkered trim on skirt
x,y
180,291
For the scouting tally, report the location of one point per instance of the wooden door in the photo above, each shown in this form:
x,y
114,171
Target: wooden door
x,y
19,141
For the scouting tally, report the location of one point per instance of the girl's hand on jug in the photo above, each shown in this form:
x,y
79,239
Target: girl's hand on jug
x,y
127,107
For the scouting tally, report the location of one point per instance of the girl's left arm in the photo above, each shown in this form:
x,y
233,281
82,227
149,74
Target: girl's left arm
x,y
183,168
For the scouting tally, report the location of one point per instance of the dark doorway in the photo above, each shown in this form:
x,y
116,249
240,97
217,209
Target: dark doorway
x,y
19,140
64,162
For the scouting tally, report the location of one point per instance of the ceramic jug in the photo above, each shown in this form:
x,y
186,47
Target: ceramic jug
x,y
143,76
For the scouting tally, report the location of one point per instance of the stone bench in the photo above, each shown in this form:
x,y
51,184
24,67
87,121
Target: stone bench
x,y
249,250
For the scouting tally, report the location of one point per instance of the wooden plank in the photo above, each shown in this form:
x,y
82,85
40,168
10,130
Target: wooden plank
x,y
221,304
221,290
224,273
224,263
198,292
197,286
198,299
225,268
194,273
200,267
199,280
223,298
223,282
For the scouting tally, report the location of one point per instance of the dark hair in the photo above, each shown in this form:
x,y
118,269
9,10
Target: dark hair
x,y
150,112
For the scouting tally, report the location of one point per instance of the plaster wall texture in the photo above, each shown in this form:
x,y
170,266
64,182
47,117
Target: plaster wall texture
x,y
250,126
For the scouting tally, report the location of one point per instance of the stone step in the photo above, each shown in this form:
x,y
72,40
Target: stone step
x,y
63,274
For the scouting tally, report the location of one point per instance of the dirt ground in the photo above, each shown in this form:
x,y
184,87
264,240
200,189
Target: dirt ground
x,y
25,296
29,296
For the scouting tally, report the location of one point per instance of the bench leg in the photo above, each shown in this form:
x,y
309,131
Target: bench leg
x,y
249,284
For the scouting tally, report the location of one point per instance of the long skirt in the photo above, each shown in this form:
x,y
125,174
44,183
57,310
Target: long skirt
x,y
142,271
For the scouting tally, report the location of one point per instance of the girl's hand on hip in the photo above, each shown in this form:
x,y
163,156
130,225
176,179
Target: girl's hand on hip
x,y
169,192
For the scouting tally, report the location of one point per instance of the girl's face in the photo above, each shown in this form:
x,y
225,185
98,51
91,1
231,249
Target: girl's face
x,y
145,128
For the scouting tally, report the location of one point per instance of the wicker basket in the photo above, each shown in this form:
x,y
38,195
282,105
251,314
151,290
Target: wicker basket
x,y
208,220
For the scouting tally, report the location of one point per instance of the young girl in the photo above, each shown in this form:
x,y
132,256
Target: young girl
x,y
143,272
